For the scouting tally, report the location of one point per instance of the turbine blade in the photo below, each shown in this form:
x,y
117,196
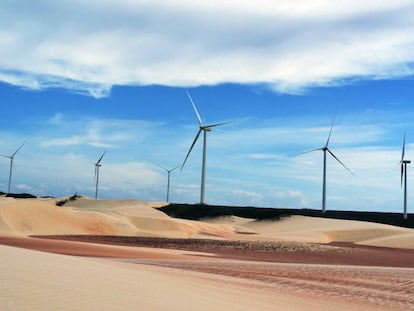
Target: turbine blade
x,y
12,156
218,124
340,162
100,159
160,166
402,173
191,148
330,132
403,150
308,151
200,122
173,169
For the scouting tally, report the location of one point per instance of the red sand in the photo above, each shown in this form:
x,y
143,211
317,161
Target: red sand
x,y
131,247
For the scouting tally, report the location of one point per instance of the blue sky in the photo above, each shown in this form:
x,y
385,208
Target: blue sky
x,y
79,79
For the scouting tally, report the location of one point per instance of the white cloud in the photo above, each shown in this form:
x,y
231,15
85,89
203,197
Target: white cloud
x,y
24,187
103,133
243,197
289,45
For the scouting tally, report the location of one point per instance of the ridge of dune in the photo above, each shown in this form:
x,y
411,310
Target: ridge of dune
x,y
42,216
99,217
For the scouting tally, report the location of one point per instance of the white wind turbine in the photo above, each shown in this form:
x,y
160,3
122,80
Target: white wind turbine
x,y
326,149
202,128
168,178
11,157
404,163
97,166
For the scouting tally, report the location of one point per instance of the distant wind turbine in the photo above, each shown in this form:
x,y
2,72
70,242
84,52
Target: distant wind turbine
x,y
202,128
97,166
11,157
326,149
404,163
168,178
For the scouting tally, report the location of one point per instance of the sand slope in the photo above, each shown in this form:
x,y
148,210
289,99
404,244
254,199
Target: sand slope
x,y
91,217
41,281
35,281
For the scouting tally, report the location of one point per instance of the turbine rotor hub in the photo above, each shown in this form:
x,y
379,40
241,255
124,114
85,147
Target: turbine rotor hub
x,y
206,128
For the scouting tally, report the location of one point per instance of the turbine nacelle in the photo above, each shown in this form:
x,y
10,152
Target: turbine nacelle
x,y
206,128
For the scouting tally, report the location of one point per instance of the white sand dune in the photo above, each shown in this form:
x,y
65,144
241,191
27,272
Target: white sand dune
x,y
95,217
322,230
136,218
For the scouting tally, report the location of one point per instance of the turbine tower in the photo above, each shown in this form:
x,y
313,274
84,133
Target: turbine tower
x,y
97,166
325,149
168,178
11,157
404,163
202,128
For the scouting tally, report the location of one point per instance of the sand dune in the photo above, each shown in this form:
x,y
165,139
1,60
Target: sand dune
x,y
137,218
322,230
91,217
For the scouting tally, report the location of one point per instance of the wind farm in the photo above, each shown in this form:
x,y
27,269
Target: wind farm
x,y
175,242
214,239
247,155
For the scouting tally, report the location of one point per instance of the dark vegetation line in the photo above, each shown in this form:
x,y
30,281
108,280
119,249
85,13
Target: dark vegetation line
x,y
197,244
18,195
197,212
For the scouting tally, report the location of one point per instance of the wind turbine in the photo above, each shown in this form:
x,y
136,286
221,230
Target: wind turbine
x,y
201,128
325,149
11,157
404,163
97,166
168,178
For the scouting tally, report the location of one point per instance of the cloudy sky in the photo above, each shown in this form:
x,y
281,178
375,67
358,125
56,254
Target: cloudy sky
x,y
81,77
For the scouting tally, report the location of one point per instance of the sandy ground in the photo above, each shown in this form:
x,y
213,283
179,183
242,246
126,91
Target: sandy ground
x,y
228,264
